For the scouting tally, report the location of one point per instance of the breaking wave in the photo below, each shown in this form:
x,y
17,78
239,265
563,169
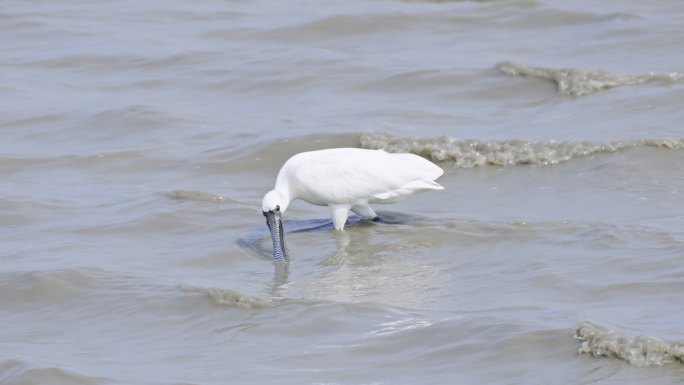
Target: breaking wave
x,y
478,153
599,341
578,81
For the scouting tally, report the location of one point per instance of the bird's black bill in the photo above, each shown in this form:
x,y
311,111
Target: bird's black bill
x,y
275,224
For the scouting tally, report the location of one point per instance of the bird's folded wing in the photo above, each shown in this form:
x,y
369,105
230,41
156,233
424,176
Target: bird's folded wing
x,y
367,176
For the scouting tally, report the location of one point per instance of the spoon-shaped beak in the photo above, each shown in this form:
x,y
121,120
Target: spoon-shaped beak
x,y
275,224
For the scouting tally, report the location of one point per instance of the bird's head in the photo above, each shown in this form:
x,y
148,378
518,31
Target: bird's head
x,y
272,206
272,200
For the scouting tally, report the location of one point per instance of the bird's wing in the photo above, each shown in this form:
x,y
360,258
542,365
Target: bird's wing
x,y
352,175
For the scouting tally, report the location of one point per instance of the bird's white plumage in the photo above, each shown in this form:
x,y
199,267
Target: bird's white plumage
x,y
349,179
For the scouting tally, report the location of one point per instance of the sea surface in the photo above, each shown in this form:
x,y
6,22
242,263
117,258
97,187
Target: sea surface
x,y
137,139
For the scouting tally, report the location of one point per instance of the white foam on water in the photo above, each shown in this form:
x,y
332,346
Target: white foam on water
x,y
579,81
477,153
600,341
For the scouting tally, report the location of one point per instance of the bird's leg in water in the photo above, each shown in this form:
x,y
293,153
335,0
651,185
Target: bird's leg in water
x,y
339,215
365,211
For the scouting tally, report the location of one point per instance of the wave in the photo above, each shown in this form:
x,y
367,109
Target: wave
x,y
133,118
579,81
14,371
198,196
99,63
231,298
478,153
599,341
49,287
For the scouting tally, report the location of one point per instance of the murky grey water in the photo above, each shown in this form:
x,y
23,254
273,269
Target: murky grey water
x,y
139,137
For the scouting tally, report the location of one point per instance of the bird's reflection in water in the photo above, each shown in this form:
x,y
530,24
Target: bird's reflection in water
x,y
340,256
337,257
280,278
351,243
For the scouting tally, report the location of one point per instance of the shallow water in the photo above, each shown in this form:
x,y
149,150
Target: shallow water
x,y
138,139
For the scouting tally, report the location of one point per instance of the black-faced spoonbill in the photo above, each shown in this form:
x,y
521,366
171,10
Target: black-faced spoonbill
x,y
345,179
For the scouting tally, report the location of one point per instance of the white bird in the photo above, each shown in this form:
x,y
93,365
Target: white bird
x,y
345,179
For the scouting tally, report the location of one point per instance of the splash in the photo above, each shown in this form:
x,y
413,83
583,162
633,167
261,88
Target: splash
x,y
578,81
599,341
478,153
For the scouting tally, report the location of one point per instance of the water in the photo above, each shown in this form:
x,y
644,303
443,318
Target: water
x,y
139,137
